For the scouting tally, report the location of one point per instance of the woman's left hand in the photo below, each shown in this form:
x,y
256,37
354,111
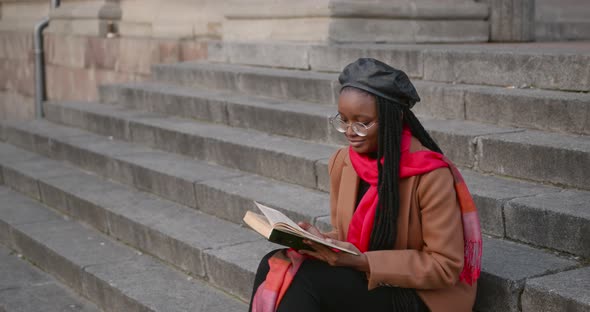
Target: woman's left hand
x,y
335,258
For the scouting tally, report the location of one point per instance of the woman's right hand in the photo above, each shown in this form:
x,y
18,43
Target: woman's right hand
x,y
311,229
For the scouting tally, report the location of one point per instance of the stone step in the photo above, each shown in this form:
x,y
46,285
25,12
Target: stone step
x,y
23,287
192,241
131,217
524,154
553,66
288,118
518,210
112,275
286,159
219,191
527,108
563,291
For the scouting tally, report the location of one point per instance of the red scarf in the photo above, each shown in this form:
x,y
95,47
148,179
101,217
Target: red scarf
x,y
412,164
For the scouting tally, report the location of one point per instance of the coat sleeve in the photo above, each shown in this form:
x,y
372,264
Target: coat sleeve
x,y
440,261
335,172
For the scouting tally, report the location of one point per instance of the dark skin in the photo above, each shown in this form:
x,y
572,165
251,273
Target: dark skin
x,y
353,107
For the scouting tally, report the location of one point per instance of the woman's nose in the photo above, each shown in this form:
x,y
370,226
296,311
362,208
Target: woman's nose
x,y
349,131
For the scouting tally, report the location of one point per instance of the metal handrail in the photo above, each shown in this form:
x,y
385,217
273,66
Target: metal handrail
x,y
40,93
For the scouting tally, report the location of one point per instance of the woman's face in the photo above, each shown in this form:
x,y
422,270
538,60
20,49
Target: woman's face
x,y
359,107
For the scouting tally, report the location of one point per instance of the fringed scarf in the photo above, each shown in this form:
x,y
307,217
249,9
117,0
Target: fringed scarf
x,y
285,264
412,164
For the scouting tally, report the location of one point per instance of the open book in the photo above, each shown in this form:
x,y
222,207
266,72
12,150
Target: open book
x,y
279,229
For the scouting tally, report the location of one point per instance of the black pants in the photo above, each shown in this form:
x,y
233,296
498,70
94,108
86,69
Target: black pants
x,y
321,287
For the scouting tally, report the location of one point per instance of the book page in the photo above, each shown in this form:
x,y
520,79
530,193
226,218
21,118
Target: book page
x,y
274,216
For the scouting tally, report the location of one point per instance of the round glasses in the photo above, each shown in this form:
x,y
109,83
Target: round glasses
x,y
358,127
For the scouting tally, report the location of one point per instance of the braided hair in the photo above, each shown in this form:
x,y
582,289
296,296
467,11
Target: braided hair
x,y
389,136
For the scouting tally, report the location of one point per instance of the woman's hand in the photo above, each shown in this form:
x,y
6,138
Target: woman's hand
x,y
334,258
311,229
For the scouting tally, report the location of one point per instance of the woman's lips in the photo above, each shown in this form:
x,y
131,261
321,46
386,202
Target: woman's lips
x,y
356,143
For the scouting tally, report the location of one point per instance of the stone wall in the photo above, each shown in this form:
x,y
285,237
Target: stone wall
x,y
77,64
559,20
17,19
80,55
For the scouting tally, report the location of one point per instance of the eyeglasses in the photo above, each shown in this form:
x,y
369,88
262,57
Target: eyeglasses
x,y
358,127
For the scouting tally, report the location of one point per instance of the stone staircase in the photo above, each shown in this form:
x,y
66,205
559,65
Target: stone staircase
x,y
135,202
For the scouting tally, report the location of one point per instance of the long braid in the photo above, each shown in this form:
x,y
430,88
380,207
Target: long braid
x,y
384,231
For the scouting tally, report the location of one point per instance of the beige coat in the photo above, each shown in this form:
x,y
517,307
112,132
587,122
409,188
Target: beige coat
x,y
428,253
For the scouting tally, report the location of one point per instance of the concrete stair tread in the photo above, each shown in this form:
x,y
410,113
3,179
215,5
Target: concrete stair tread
x,y
529,151
109,273
244,149
554,66
254,138
24,287
548,110
239,69
191,240
506,268
204,103
569,289
510,208
506,265
176,177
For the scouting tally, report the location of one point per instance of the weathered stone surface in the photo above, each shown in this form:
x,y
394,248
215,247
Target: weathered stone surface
x,y
283,55
233,268
559,221
26,288
18,209
559,31
505,268
408,31
16,45
144,284
21,77
97,266
15,106
333,58
80,115
277,83
560,71
230,198
245,150
321,168
310,29
66,50
538,156
193,50
456,138
566,291
512,20
170,176
491,195
533,109
50,296
294,119
172,232
441,101
102,53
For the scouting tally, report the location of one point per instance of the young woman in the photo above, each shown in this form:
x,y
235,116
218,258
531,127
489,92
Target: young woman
x,y
396,200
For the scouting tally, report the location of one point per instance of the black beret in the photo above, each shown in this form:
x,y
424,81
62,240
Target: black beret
x,y
379,79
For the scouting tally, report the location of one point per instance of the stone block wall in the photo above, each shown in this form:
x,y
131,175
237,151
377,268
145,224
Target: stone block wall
x,y
16,75
77,65
77,62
